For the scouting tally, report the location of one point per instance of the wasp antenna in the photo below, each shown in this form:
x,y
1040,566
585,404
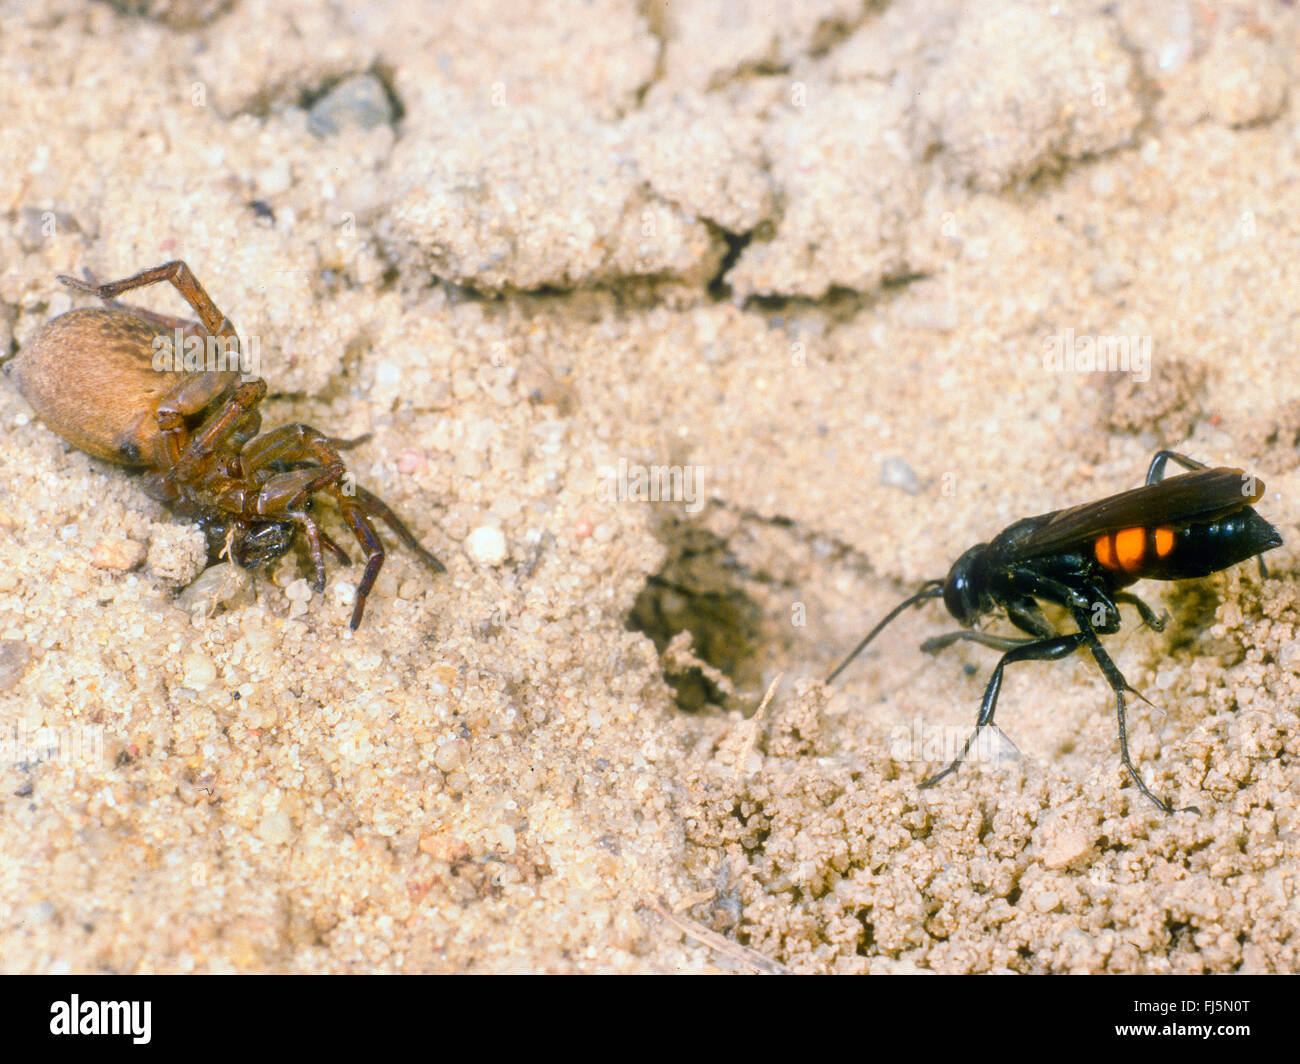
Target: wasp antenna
x,y
931,589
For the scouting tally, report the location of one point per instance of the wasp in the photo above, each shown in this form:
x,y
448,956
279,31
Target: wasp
x,y
1081,559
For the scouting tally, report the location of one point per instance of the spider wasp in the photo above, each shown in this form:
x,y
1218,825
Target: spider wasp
x,y
1081,559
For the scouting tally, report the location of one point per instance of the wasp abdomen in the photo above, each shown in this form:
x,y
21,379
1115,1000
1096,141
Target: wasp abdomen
x,y
1133,551
1167,552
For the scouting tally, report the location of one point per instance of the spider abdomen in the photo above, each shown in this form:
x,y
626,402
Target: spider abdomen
x,y
90,376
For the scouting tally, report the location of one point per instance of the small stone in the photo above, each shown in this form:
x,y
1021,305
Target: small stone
x,y
449,756
117,554
357,101
199,671
506,507
409,462
442,846
177,553
218,585
275,828
1059,846
896,473
1289,657
502,838
15,655
486,545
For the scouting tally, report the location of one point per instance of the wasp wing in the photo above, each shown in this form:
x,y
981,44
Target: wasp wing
x,y
1190,498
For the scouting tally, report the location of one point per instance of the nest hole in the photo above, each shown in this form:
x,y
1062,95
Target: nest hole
x,y
698,590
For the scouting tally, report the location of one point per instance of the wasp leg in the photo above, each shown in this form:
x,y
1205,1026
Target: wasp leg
x,y
997,642
1149,618
1028,617
1088,638
1156,470
1034,650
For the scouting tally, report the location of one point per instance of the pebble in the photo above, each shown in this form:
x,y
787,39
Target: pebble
x,y
275,828
358,101
1059,846
177,553
896,473
449,756
14,657
486,545
199,671
215,586
409,462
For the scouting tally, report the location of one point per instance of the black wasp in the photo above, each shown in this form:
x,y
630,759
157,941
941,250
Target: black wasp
x,y
1080,559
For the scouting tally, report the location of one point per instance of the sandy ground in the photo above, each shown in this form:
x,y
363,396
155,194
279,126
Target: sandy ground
x,y
814,258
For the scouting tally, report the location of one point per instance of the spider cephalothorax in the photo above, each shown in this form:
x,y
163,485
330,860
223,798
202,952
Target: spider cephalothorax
x,y
93,377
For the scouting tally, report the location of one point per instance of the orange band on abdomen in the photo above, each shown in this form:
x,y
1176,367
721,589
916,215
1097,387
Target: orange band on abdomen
x,y
1130,547
1164,540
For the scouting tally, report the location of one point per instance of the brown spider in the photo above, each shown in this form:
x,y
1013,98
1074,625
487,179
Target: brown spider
x,y
90,374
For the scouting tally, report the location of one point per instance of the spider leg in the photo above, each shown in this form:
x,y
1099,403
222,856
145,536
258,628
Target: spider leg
x,y
237,416
182,279
339,552
293,443
287,494
288,443
1156,470
374,548
302,443
376,507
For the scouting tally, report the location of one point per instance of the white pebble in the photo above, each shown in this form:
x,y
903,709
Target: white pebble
x,y
487,545
199,671
449,756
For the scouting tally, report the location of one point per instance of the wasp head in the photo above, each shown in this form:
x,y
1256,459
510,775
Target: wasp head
x,y
963,590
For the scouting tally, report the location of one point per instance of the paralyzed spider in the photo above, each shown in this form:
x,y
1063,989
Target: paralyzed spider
x,y
90,374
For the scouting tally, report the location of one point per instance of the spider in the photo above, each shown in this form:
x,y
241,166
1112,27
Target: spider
x,y
91,376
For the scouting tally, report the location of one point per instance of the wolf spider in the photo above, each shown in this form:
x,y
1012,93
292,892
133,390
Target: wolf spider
x,y
90,374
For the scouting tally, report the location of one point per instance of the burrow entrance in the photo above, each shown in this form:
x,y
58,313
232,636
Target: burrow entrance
x,y
699,589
